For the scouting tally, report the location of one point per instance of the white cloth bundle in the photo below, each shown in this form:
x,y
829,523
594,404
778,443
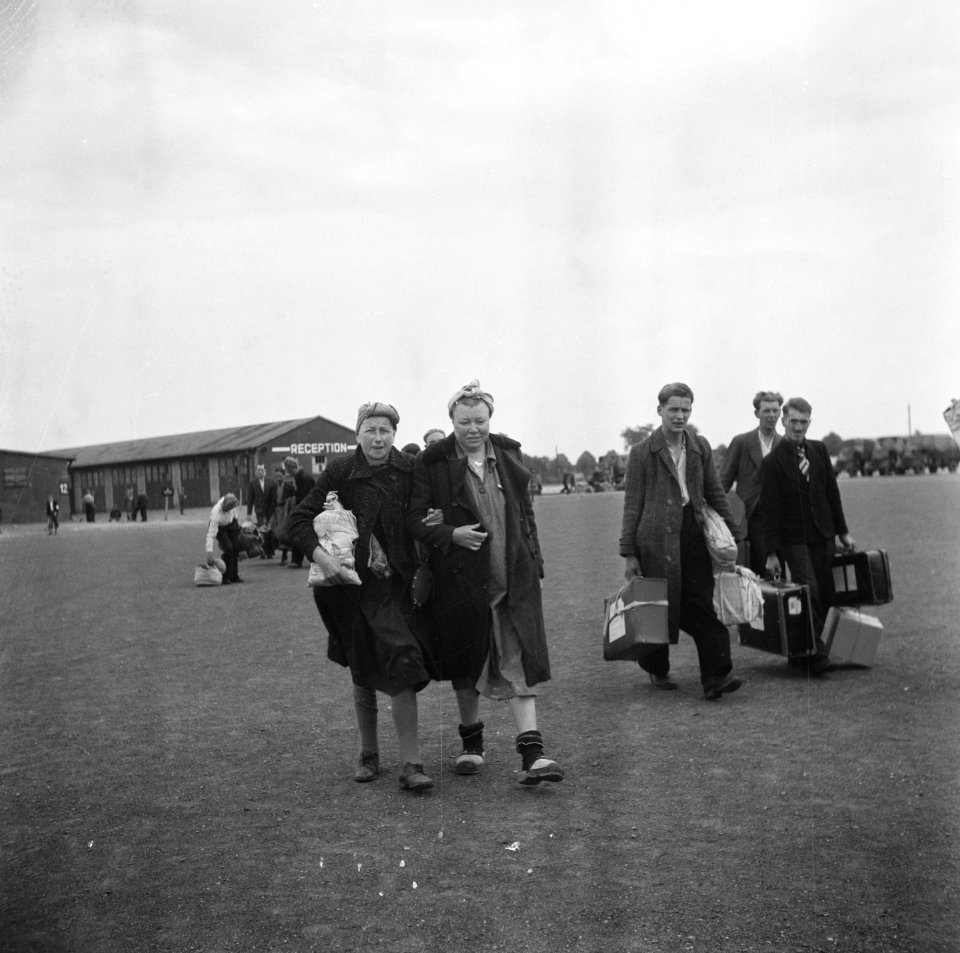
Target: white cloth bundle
x,y
719,539
737,596
337,533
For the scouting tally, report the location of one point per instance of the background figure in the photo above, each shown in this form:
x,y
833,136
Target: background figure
x,y
183,500
432,436
297,486
372,628
131,506
485,607
802,515
262,501
741,468
89,506
411,448
53,516
224,529
140,506
669,478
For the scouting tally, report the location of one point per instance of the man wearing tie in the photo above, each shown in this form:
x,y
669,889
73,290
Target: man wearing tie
x,y
741,467
802,516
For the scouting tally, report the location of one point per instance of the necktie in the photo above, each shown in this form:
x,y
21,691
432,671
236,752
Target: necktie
x,y
803,463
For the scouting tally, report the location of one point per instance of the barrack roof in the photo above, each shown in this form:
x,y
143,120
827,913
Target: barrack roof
x,y
200,443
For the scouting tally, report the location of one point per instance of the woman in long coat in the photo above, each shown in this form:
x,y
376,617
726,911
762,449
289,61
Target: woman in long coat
x,y
485,608
661,538
372,628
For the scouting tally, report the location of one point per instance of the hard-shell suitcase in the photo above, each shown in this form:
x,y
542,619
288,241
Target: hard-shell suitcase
x,y
862,578
787,624
635,619
852,637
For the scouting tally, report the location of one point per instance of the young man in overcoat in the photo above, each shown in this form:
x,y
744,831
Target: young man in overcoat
x,y
669,478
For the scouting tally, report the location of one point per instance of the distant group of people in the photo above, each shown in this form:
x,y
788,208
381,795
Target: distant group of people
x,y
793,516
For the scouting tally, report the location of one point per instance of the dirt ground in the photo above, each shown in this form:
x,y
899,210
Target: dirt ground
x,y
176,768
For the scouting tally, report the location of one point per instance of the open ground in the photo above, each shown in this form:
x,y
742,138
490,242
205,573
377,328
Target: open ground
x,y
176,767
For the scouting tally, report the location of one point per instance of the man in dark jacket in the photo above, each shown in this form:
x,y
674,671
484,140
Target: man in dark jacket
x,y
741,468
302,485
262,501
802,515
669,478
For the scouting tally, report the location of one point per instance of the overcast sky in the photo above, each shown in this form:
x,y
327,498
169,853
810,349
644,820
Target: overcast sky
x,y
219,213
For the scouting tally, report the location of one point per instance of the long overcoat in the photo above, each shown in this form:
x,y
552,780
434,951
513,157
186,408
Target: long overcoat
x,y
352,478
458,609
653,510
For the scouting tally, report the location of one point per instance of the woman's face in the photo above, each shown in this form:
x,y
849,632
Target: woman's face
x,y
376,436
471,425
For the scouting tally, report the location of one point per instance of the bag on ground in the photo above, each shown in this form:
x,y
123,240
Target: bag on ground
x,y
205,575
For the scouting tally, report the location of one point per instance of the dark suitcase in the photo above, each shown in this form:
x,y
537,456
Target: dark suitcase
x,y
787,624
862,578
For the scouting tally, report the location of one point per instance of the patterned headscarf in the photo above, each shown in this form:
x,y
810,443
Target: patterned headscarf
x,y
472,391
376,408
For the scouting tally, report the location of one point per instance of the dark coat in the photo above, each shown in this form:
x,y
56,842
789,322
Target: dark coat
x,y
458,609
352,478
741,465
792,509
262,501
653,510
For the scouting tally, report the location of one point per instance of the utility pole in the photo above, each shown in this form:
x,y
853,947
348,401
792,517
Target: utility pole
x,y
909,427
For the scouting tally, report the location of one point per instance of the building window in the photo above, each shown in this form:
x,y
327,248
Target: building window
x,y
123,476
15,476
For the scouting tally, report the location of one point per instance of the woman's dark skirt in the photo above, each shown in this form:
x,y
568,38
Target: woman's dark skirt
x,y
374,630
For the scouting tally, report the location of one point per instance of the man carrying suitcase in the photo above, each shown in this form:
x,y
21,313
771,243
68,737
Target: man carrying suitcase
x,y
802,516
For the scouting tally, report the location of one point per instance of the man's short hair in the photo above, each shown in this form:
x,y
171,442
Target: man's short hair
x,y
766,395
798,403
676,389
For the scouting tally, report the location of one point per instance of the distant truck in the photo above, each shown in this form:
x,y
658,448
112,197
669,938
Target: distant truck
x,y
887,456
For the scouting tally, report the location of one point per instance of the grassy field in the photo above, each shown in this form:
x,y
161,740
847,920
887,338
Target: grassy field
x,y
176,767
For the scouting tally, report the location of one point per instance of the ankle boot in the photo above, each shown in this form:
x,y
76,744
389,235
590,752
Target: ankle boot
x,y
470,760
535,767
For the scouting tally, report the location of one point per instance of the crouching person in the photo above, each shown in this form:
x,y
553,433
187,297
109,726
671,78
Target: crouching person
x,y
224,529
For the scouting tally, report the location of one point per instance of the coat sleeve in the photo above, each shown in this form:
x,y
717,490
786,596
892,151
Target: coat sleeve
x,y
731,464
713,491
633,499
422,498
770,504
530,524
299,527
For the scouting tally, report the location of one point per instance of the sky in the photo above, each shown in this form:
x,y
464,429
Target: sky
x,y
225,213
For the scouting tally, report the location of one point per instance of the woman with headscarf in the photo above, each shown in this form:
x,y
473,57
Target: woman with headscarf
x,y
486,566
372,628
